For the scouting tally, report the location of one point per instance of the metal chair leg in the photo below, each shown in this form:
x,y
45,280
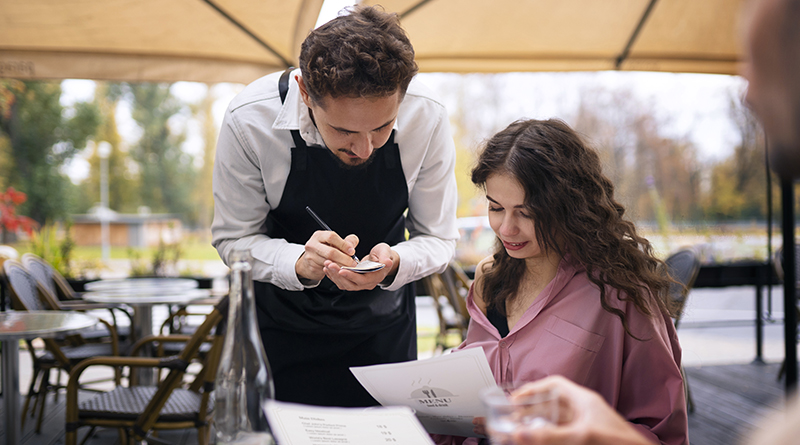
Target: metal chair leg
x,y
43,396
31,393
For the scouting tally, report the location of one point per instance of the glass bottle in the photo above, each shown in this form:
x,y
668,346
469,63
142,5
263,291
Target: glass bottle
x,y
244,380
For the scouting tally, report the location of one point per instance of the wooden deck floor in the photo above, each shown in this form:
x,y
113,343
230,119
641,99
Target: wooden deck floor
x,y
730,401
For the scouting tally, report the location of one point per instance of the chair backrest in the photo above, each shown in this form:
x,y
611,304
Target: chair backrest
x,y
777,260
175,377
23,287
40,270
683,266
457,284
48,276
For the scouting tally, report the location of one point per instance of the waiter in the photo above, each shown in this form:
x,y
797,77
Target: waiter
x,y
354,137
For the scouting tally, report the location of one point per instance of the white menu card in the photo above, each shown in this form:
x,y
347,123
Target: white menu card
x,y
443,390
295,424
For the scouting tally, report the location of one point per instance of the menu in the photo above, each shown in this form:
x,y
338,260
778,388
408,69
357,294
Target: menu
x,y
295,424
442,391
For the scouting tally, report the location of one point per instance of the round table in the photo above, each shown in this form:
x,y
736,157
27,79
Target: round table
x,y
16,326
141,284
142,299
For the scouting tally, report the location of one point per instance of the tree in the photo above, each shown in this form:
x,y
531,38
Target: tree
x,y
204,196
166,173
656,177
42,135
123,193
739,182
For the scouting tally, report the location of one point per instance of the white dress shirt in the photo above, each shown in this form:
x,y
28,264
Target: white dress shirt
x,y
252,165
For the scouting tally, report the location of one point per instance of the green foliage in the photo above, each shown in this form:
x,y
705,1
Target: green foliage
x,y
59,252
123,187
42,135
164,261
167,174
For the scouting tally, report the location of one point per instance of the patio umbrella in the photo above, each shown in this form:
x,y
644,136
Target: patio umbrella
x,y
241,40
152,40
572,35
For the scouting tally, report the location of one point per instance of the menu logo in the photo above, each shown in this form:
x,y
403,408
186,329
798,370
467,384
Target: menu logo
x,y
431,396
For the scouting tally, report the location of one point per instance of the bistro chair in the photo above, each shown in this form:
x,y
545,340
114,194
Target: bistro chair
x,y
683,266
449,292
139,411
50,278
178,324
777,260
61,296
59,354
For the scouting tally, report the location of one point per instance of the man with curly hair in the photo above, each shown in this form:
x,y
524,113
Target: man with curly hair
x,y
353,136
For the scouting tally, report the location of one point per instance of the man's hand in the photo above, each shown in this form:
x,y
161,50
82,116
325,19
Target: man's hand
x,y
349,280
323,247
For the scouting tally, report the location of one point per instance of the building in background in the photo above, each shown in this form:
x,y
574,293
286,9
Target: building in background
x,y
143,229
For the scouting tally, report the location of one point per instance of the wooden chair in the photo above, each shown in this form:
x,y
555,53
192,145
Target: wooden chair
x,y
452,286
66,298
60,353
683,266
178,323
138,411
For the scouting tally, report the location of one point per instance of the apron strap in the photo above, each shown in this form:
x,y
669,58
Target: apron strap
x,y
283,89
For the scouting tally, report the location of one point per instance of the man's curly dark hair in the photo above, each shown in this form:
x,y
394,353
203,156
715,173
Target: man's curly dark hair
x,y
362,54
574,211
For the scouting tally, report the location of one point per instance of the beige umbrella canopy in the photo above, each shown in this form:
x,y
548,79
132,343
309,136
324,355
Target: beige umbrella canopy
x,y
699,36
240,40
152,40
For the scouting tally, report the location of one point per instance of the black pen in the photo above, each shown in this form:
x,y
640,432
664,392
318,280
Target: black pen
x,y
324,226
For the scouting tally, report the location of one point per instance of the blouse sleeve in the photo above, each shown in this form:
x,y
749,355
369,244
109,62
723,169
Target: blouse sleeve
x,y
651,390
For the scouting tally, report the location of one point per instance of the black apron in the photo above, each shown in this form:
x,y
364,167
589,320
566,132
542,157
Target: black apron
x,y
313,336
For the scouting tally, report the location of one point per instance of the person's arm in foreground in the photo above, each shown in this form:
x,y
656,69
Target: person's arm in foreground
x,y
584,418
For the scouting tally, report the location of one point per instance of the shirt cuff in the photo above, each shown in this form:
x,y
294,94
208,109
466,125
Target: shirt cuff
x,y
404,272
285,260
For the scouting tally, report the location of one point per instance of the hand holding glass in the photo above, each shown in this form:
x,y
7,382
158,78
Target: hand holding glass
x,y
506,414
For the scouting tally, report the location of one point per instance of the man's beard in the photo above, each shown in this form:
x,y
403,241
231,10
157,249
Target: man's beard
x,y
359,166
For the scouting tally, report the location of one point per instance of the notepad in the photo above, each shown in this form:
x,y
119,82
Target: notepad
x,y
365,266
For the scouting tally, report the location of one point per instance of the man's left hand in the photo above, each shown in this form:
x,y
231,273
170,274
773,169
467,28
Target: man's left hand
x,y
352,281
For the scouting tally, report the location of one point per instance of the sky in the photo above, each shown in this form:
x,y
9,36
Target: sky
x,y
692,106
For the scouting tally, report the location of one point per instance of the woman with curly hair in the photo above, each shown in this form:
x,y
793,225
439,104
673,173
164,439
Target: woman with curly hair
x,y
571,288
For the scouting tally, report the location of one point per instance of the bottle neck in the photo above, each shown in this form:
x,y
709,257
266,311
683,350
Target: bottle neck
x,y
242,298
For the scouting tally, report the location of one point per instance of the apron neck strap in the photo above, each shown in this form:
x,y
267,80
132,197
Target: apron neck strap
x,y
283,89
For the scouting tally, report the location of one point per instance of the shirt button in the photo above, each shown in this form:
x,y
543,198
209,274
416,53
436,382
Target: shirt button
x,y
503,344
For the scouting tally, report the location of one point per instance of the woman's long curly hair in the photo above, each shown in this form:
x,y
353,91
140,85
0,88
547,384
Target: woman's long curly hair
x,y
574,211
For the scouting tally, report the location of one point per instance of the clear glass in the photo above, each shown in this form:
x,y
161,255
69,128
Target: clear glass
x,y
506,415
244,380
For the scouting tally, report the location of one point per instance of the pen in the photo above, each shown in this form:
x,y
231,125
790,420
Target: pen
x,y
324,226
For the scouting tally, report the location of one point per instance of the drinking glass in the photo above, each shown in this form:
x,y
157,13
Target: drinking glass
x,y
504,416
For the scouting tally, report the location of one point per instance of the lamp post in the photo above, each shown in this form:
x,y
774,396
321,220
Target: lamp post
x,y
104,150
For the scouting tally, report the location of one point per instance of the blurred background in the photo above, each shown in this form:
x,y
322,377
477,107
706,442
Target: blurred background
x,y
685,155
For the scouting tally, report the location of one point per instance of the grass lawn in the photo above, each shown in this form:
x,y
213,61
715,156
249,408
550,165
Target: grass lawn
x,y
190,250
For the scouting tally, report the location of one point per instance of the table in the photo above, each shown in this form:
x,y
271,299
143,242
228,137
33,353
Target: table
x,y
141,284
16,326
142,299
742,273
